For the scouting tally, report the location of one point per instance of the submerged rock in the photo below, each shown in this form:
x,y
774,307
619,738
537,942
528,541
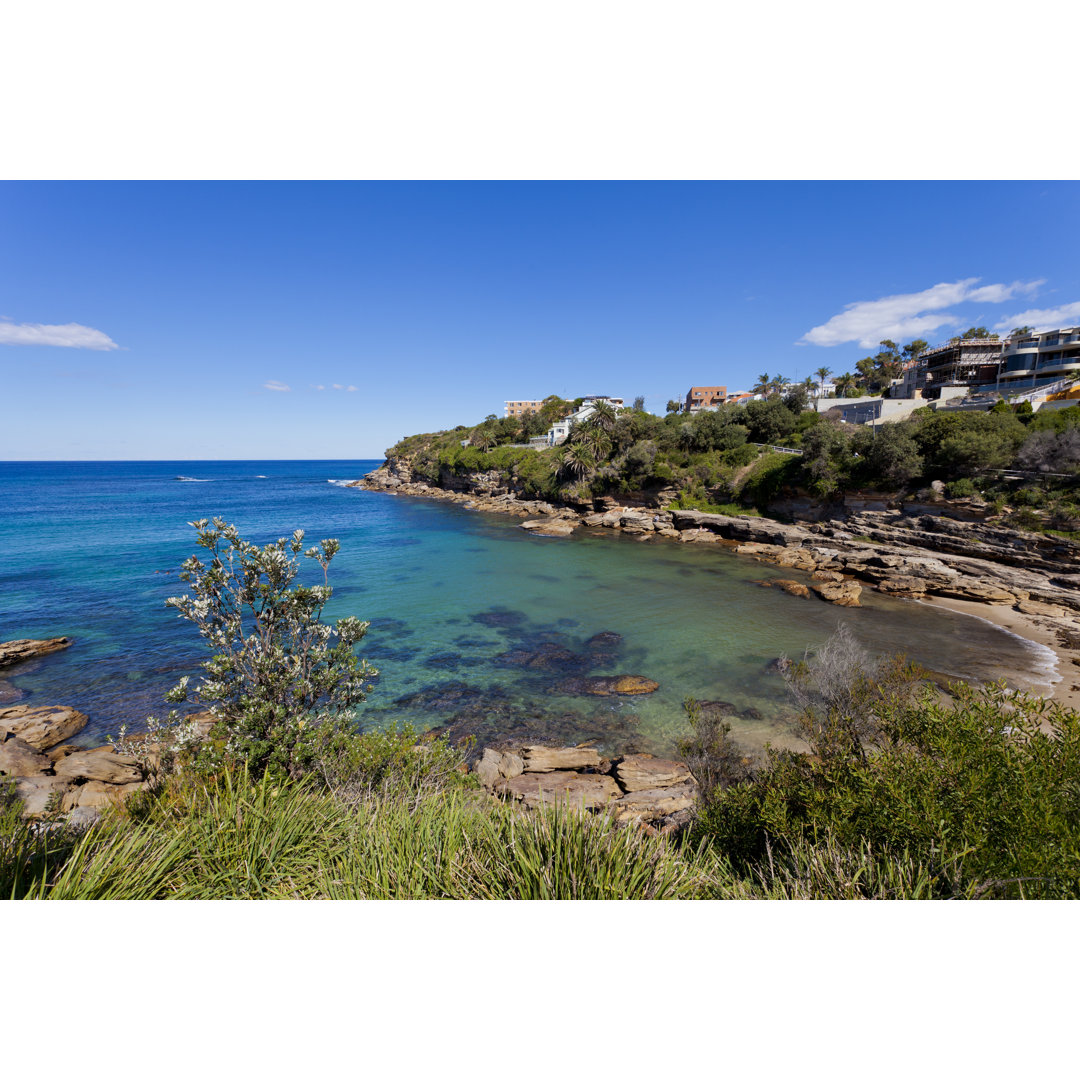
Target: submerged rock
x,y
604,685
546,657
499,617
605,641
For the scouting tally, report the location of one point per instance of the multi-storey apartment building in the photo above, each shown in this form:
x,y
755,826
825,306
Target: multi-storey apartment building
x,y
958,362
704,397
1032,360
520,408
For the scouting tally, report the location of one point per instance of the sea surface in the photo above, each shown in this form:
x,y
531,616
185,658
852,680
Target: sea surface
x,y
476,626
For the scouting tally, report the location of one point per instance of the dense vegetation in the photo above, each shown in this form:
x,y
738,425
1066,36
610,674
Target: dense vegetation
x,y
721,460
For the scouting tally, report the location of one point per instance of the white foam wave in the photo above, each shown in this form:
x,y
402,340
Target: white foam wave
x,y
193,480
341,483
1045,664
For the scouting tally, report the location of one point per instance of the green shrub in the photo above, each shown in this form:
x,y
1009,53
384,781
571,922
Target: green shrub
x,y
974,790
961,489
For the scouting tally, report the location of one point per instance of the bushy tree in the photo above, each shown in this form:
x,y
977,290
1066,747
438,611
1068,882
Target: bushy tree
x,y
826,460
278,672
718,429
768,421
891,454
1051,451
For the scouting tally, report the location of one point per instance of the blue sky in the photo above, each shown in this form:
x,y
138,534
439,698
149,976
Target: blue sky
x,y
155,320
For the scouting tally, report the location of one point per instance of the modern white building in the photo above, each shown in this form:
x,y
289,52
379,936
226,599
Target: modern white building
x,y
1029,361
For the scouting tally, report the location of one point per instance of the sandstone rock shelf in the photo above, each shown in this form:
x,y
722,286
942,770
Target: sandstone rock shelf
x,y
637,788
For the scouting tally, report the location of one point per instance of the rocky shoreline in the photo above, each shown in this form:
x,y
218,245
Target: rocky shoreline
x,y
939,552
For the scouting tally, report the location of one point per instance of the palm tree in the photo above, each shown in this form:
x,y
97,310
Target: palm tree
x,y
779,383
603,417
483,440
577,461
762,385
593,437
845,384
822,373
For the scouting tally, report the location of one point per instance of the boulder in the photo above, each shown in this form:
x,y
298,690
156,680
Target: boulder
x,y
827,575
42,726
102,764
795,558
698,536
568,789
82,817
974,589
543,759
902,585
550,526
19,758
651,803
14,652
495,765
841,593
795,588
641,772
487,768
36,792
1037,607
97,795
605,685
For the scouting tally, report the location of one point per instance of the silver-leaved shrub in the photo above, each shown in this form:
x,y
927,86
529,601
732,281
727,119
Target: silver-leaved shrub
x,y
279,679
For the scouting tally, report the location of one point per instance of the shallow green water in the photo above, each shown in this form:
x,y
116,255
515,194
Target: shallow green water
x,y
91,550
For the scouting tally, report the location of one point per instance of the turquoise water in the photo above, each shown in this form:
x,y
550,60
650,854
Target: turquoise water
x,y
457,601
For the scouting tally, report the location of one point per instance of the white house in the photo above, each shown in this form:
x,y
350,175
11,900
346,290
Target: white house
x,y
559,432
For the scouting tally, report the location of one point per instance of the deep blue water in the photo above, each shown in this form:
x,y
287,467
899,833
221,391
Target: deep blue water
x,y
456,600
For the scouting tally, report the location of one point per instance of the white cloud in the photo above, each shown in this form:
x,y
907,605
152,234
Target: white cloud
x,y
907,315
68,336
319,387
338,386
273,384
1043,318
350,388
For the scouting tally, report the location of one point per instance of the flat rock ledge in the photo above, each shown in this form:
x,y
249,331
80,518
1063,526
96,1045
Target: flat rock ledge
x,y
640,789
15,652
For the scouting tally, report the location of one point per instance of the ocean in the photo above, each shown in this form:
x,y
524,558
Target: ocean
x,y
471,617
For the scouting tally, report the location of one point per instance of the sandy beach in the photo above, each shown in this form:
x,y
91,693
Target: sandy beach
x,y
1037,628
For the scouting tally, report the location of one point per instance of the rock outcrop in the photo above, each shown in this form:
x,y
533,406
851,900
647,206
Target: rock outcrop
x,y
607,685
14,652
635,788
42,726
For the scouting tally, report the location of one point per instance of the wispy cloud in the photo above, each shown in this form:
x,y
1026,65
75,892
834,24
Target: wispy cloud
x,y
68,336
1043,318
351,389
334,386
908,315
273,384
